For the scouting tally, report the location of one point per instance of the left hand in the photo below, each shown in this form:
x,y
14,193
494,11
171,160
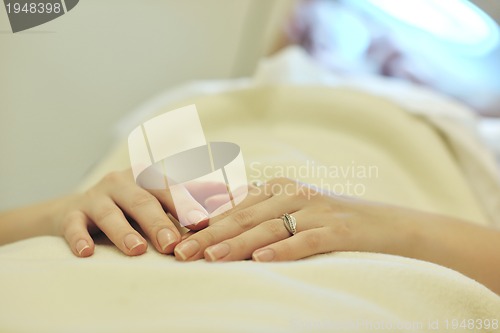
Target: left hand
x,y
325,223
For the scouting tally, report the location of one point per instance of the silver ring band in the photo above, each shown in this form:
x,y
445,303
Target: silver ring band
x,y
290,223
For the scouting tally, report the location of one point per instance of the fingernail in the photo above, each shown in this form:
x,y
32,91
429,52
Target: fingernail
x,y
165,237
187,249
217,252
81,246
132,241
195,217
263,255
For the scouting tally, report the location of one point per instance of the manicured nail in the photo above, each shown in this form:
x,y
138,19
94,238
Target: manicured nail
x,y
195,217
187,249
132,241
81,246
217,252
165,238
263,255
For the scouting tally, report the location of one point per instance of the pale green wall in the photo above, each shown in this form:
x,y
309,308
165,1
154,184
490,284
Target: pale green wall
x,y
63,85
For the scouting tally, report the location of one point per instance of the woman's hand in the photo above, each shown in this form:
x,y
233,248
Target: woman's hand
x,y
103,207
108,206
325,223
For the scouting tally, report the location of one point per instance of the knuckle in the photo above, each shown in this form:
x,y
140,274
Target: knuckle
x,y
256,192
276,229
221,216
277,189
283,187
69,219
239,244
157,223
341,236
320,209
225,214
141,199
161,195
212,235
281,180
206,236
108,211
313,241
112,177
341,229
301,194
91,193
244,218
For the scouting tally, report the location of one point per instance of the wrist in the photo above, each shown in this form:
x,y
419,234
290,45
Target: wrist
x,y
391,230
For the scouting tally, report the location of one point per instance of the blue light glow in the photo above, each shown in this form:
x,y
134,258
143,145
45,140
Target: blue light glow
x,y
456,22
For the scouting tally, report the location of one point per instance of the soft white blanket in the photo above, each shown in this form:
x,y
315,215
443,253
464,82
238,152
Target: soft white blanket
x,y
43,288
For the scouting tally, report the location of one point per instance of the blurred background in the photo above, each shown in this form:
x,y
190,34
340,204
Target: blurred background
x,y
65,84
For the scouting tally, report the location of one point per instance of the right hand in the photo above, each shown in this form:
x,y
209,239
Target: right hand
x,y
106,206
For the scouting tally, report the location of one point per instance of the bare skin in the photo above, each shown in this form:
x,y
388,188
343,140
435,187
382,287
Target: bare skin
x,y
254,229
327,223
106,207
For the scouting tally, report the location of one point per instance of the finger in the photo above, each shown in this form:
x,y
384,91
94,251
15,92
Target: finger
x,y
216,201
200,191
231,226
189,212
255,195
301,245
180,203
211,195
187,235
110,219
279,187
203,190
222,203
147,211
77,235
242,246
